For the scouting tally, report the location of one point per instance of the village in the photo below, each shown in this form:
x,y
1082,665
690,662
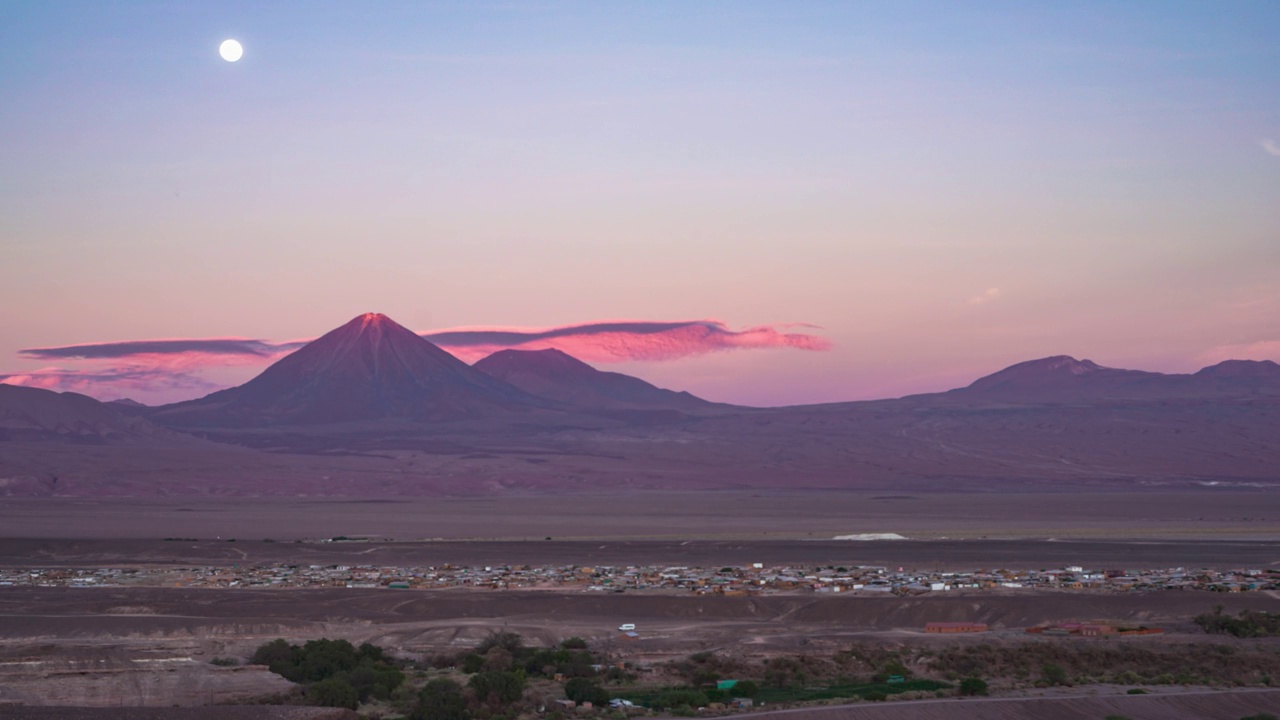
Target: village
x,y
751,579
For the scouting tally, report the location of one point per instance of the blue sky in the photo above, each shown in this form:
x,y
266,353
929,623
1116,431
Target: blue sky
x,y
943,189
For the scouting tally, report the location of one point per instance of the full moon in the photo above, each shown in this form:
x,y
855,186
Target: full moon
x,y
230,50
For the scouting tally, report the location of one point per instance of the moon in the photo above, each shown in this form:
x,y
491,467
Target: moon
x,y
230,50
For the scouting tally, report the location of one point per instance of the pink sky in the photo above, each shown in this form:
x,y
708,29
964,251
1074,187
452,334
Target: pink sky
x,y
940,191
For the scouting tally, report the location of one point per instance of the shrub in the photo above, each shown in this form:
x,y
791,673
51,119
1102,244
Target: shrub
x,y
679,697
497,686
333,693
574,643
973,686
275,651
441,699
1135,691
745,688
472,663
1248,624
224,662
1054,674
876,696
582,690
509,641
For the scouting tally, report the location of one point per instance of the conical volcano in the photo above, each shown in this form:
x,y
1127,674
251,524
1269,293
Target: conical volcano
x,y
370,368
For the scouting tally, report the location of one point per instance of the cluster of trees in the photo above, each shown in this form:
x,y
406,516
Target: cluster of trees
x,y
500,667
1248,624
335,672
506,651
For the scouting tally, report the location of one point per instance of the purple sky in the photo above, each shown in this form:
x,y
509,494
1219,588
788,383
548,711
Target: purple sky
x,y
936,191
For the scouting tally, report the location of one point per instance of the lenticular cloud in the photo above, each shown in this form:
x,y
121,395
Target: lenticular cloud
x,y
175,363
625,341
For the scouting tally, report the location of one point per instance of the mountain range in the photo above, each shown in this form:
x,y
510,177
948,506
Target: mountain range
x,y
371,408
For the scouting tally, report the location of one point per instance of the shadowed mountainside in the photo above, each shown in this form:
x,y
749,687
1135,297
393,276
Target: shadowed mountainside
x,y
43,415
1064,379
561,377
371,409
369,369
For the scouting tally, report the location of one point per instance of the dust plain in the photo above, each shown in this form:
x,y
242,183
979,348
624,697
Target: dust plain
x,y
151,646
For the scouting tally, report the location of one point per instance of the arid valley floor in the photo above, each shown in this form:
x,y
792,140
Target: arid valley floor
x,y
131,645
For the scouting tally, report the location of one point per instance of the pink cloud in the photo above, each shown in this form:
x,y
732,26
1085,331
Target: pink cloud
x,y
109,381
625,341
173,365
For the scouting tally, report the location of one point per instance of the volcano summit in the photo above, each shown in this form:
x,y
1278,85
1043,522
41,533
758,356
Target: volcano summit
x,y
369,369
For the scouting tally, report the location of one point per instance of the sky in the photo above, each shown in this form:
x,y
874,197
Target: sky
x,y
810,201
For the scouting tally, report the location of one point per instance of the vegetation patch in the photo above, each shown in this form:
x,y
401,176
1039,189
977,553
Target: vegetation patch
x,y
1248,624
335,672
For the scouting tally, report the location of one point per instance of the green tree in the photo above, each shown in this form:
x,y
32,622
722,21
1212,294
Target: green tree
x,y
374,680
509,641
441,699
497,686
273,652
582,690
680,697
745,688
333,693
1054,674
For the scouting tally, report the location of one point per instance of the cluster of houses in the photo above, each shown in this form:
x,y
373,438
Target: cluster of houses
x,y
751,579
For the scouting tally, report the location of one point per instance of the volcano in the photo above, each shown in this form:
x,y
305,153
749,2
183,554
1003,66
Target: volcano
x,y
558,376
369,369
1062,378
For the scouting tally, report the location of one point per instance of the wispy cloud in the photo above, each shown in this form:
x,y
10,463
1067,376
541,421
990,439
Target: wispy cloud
x,y
208,347
626,340
175,364
618,341
985,297
1271,146
104,382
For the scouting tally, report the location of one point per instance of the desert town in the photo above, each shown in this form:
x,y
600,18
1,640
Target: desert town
x,y
752,579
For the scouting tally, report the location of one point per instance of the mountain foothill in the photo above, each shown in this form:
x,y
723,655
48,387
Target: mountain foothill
x,y
371,408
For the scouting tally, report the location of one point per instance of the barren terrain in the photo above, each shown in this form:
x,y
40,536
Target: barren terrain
x,y
153,646
775,514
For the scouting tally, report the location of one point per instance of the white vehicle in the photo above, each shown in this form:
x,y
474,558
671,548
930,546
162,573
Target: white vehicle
x,y
626,627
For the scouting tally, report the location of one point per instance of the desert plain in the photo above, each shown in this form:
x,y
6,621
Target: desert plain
x,y
145,646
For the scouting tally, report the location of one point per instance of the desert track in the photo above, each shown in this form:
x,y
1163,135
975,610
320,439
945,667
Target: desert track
x,y
1193,705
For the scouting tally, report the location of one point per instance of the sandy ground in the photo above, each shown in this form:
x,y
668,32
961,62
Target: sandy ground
x,y
153,646
135,646
1191,705
914,555
224,712
728,515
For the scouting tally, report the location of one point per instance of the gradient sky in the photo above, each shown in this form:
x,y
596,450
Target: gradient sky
x,y
944,188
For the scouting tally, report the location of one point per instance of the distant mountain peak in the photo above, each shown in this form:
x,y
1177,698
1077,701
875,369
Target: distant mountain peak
x,y
548,361
369,368
1242,369
1056,374
557,375
127,402
1060,363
